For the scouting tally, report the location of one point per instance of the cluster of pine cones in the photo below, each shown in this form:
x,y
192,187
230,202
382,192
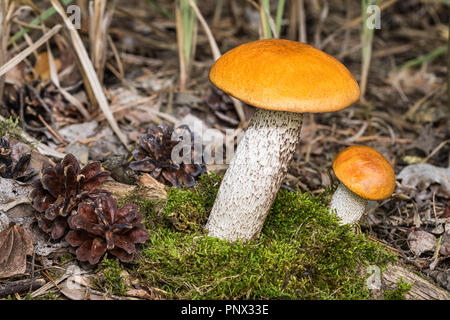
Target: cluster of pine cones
x,y
71,206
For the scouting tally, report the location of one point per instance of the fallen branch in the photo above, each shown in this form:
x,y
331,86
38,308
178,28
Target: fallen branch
x,y
20,286
421,289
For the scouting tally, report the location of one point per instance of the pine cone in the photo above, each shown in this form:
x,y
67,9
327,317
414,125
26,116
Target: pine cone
x,y
14,161
100,227
153,155
60,190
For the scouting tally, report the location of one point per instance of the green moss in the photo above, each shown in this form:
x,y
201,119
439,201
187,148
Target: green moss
x,y
187,209
399,292
50,296
65,258
109,278
302,253
12,127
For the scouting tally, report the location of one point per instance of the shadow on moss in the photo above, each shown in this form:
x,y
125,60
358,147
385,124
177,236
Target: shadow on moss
x,y
303,253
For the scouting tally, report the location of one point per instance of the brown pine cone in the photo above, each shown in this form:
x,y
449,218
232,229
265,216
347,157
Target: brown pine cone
x,y
153,155
100,227
60,190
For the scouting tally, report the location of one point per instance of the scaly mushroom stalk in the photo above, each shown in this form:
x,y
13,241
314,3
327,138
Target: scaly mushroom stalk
x,y
348,205
254,176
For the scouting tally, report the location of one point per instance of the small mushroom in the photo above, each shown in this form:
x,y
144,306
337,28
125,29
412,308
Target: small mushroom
x,y
283,79
364,174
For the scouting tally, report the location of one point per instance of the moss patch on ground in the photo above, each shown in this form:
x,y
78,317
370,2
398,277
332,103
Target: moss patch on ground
x,y
109,277
11,127
302,253
399,292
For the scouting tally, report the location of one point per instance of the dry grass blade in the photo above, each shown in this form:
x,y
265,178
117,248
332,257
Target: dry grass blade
x,y
279,17
118,60
216,54
65,93
355,22
100,19
302,21
212,42
90,73
439,147
6,10
183,71
366,42
42,148
25,53
267,22
35,24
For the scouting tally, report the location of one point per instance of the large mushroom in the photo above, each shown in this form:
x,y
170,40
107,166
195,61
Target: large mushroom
x,y
364,174
283,79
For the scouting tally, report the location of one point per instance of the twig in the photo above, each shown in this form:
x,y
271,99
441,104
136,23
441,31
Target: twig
x,y
52,131
132,104
439,147
42,148
420,102
20,286
49,277
91,74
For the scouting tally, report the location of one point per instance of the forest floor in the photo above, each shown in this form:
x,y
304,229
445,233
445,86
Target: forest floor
x,y
404,112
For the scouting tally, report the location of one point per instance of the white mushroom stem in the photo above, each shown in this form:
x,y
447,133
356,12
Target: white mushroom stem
x,y
254,176
348,205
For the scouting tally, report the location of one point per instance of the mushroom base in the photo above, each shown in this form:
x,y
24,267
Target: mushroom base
x,y
348,205
254,176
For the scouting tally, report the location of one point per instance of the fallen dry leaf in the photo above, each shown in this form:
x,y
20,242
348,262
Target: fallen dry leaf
x,y
410,80
78,287
421,241
15,245
42,66
423,175
16,75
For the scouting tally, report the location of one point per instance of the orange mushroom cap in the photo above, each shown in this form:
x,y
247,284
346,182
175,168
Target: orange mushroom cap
x,y
285,75
365,172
